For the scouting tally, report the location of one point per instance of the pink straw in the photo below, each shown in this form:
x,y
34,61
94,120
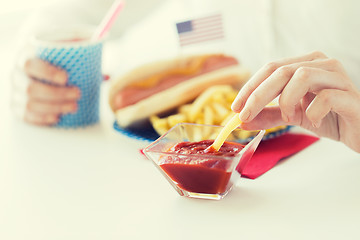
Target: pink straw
x,y
108,20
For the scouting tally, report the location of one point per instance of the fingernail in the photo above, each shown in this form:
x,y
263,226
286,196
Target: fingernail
x,y
236,106
69,108
244,115
74,93
50,119
60,77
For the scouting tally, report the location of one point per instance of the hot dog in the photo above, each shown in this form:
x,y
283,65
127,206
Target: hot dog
x,y
160,86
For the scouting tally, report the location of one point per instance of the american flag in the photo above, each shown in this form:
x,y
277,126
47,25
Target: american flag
x,y
200,30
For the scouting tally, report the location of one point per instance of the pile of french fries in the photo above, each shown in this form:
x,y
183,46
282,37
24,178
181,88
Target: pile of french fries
x,y
212,107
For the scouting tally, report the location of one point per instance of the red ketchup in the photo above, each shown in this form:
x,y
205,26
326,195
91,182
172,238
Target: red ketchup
x,y
198,172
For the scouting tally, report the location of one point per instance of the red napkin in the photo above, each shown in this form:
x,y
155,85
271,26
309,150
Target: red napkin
x,y
269,152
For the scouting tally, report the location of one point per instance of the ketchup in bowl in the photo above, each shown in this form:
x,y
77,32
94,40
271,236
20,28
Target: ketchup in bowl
x,y
195,170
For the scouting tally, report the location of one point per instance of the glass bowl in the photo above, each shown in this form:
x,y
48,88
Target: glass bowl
x,y
195,175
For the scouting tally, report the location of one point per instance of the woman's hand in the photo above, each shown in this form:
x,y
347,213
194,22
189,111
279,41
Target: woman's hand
x,y
314,92
48,96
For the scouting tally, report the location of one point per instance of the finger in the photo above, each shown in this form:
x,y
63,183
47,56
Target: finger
x,y
39,69
304,80
264,73
269,117
42,91
41,119
274,85
344,103
51,107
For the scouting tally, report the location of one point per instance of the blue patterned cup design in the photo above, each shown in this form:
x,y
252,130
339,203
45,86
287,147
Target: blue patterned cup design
x,y
72,51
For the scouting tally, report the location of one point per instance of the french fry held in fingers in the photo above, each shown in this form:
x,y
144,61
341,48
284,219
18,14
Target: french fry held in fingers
x,y
225,132
212,107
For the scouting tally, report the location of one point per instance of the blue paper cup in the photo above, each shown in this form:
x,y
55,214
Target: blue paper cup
x,y
72,50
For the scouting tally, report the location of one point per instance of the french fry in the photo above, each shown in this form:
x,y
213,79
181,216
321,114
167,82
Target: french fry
x,y
212,107
197,135
220,97
208,115
200,121
221,111
209,119
175,119
230,96
185,109
205,98
160,125
233,123
227,118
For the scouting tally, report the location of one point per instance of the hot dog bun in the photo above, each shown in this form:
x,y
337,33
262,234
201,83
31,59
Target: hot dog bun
x,y
166,98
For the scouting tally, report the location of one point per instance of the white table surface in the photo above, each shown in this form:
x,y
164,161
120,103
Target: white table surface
x,y
94,184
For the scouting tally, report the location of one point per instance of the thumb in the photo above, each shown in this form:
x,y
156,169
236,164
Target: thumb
x,y
269,117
